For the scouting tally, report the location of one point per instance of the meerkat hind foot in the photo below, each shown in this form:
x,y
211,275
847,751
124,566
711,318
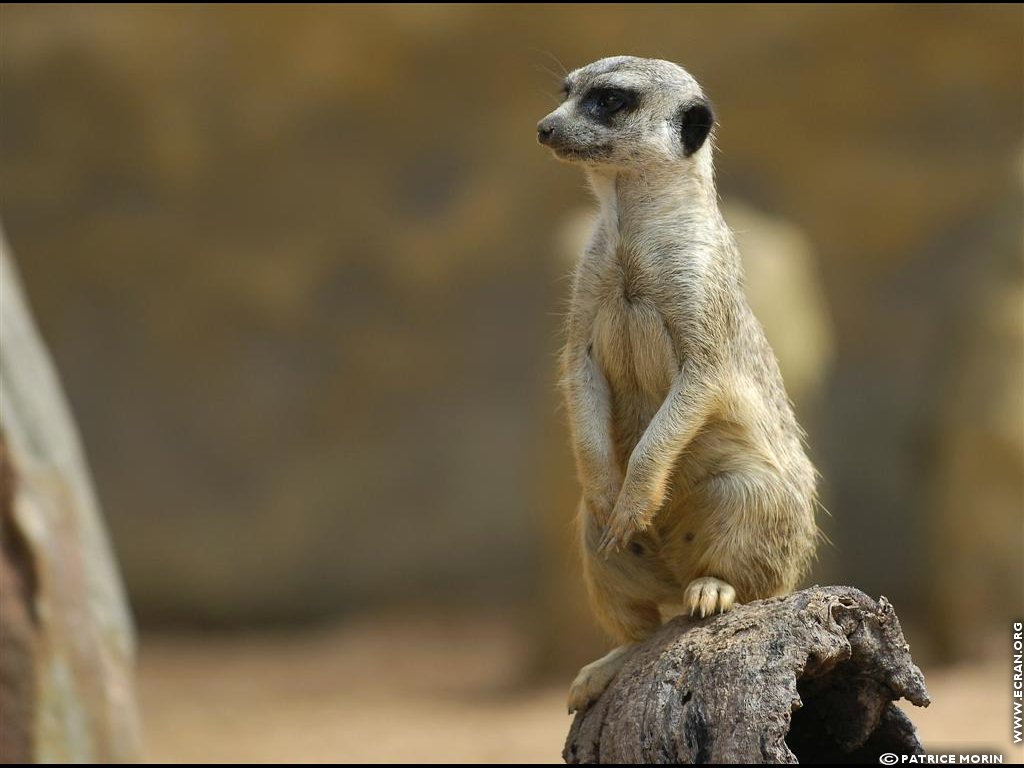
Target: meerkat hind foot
x,y
594,678
707,596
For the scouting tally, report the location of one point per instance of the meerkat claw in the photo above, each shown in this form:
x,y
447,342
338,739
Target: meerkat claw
x,y
707,596
610,542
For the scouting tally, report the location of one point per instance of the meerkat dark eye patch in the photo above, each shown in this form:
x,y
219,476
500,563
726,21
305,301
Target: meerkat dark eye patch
x,y
695,122
602,103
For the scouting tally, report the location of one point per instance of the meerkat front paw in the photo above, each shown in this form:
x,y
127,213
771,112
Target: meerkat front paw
x,y
707,596
631,516
601,502
617,533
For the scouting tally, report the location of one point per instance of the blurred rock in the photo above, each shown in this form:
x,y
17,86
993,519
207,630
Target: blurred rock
x,y
66,679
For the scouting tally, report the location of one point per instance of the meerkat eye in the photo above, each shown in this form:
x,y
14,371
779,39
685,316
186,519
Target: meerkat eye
x,y
612,101
602,103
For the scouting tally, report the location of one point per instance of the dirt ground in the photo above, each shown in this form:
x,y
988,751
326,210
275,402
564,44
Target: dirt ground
x,y
402,689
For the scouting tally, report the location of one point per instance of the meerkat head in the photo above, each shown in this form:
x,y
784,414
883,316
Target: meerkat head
x,y
625,113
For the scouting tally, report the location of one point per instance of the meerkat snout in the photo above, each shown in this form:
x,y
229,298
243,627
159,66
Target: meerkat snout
x,y
624,112
545,131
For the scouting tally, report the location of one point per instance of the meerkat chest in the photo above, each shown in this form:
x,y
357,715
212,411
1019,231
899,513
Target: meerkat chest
x,y
630,338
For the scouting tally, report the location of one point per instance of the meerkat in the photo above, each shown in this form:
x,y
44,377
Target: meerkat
x,y
697,492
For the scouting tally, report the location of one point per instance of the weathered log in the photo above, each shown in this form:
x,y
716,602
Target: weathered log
x,y
810,677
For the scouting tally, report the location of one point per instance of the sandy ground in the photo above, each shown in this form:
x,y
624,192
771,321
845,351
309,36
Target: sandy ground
x,y
402,690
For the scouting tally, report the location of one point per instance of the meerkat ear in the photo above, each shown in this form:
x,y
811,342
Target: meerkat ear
x,y
695,121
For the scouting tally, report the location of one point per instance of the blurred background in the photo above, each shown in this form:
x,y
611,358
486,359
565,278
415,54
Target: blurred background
x,y
303,269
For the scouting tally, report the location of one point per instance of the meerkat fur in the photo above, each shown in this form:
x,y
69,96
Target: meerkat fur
x,y
697,490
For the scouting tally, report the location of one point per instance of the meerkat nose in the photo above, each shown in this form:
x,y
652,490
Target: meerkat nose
x,y
545,131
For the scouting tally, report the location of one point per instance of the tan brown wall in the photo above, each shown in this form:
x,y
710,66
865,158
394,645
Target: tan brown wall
x,y
299,268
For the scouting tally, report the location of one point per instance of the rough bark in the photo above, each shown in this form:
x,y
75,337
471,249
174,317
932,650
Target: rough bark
x,y
810,677
66,642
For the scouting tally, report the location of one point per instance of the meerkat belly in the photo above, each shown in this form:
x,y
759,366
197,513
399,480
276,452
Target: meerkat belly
x,y
636,354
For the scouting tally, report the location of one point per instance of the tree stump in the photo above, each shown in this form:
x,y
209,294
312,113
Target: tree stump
x,y
810,677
